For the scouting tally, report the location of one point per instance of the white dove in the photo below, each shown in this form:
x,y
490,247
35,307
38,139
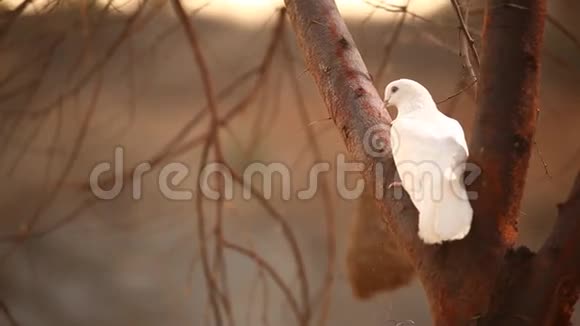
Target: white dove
x,y
429,150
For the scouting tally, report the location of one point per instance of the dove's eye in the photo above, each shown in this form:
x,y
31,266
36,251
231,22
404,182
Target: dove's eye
x,y
394,89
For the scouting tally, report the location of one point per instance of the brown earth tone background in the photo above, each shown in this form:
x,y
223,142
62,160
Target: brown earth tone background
x,y
128,262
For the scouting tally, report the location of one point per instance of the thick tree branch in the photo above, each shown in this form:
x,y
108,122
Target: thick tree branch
x,y
346,87
356,108
562,249
563,245
542,289
506,119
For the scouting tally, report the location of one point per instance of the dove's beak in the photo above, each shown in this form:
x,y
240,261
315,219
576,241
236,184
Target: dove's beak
x,y
386,103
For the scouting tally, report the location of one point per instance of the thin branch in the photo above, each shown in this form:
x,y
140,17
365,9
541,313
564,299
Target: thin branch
x,y
467,40
459,92
8,314
173,148
256,131
540,155
398,9
388,51
27,228
213,139
88,41
13,16
273,274
564,30
93,70
329,212
543,287
202,241
287,233
76,149
276,107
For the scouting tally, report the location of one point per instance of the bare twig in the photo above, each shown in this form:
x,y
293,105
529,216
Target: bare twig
x,y
256,133
28,227
213,139
88,40
541,157
573,38
172,148
465,88
391,45
8,314
36,85
273,274
33,86
276,106
467,41
13,16
329,212
93,70
398,8
286,231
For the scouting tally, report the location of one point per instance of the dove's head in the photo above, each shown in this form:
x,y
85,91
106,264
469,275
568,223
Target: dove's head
x,y
407,95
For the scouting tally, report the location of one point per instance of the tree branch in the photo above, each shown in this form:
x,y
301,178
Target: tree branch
x,y
562,250
541,289
559,26
468,49
506,119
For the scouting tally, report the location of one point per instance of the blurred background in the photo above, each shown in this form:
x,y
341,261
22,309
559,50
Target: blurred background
x,y
81,78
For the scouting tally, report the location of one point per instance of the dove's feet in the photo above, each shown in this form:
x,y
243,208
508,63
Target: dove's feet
x,y
395,184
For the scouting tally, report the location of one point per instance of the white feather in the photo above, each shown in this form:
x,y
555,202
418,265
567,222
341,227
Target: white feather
x,y
429,150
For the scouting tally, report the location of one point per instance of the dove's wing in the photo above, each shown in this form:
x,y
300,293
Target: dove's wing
x,y
454,213
436,140
429,148
455,145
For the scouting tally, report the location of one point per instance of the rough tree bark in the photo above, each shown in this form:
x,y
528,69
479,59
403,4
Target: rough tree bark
x,y
480,279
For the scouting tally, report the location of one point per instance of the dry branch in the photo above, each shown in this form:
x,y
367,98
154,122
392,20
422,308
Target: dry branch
x,y
462,15
12,17
175,146
93,71
559,26
542,289
329,211
388,51
459,92
274,275
288,235
211,141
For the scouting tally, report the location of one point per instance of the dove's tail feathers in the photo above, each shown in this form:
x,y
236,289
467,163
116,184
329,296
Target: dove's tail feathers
x,y
453,214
